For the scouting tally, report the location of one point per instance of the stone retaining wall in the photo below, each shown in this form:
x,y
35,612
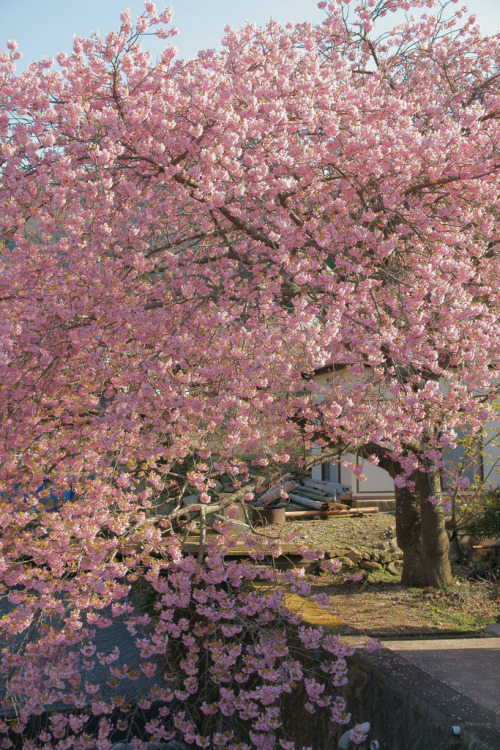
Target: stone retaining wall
x,y
385,554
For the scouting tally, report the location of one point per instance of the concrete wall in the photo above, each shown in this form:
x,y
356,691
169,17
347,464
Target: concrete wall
x,y
491,462
406,707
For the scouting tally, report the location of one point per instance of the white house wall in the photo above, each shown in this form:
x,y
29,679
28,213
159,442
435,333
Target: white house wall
x,y
491,461
378,484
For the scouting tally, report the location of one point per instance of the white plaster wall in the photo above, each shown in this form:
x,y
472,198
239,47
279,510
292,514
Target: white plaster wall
x,y
491,460
379,483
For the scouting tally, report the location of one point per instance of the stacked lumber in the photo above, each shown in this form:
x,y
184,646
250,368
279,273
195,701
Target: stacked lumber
x,y
334,488
287,484
318,495
311,498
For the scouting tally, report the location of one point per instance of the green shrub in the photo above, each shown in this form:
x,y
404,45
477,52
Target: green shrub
x,y
484,522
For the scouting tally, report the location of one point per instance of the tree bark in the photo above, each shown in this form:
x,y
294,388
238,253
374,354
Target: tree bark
x,y
421,533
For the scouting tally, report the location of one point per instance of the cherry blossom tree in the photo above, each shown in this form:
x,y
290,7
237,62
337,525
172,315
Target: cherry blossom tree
x,y
185,243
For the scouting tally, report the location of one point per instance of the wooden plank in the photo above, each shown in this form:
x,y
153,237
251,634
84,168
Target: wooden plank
x,y
355,512
311,492
275,493
330,487
192,545
317,483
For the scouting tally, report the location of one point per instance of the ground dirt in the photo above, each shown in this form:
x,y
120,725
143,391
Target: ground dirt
x,y
378,605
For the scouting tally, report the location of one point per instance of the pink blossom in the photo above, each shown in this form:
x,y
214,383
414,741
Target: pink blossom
x,y
400,480
141,24
352,577
331,566
126,17
373,645
357,735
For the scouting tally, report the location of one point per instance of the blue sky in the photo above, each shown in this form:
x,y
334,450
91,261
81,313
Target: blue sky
x,y
45,27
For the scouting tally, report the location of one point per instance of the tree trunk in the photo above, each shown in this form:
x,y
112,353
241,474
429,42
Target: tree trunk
x,y
420,523
421,533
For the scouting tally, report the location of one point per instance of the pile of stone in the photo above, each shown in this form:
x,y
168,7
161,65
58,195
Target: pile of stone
x,y
382,556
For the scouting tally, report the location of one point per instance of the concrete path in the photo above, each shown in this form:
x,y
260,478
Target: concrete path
x,y
471,666
453,681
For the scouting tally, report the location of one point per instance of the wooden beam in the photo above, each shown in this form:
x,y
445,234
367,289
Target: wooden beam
x,y
355,512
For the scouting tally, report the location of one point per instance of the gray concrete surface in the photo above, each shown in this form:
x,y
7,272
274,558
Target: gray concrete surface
x,y
471,666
